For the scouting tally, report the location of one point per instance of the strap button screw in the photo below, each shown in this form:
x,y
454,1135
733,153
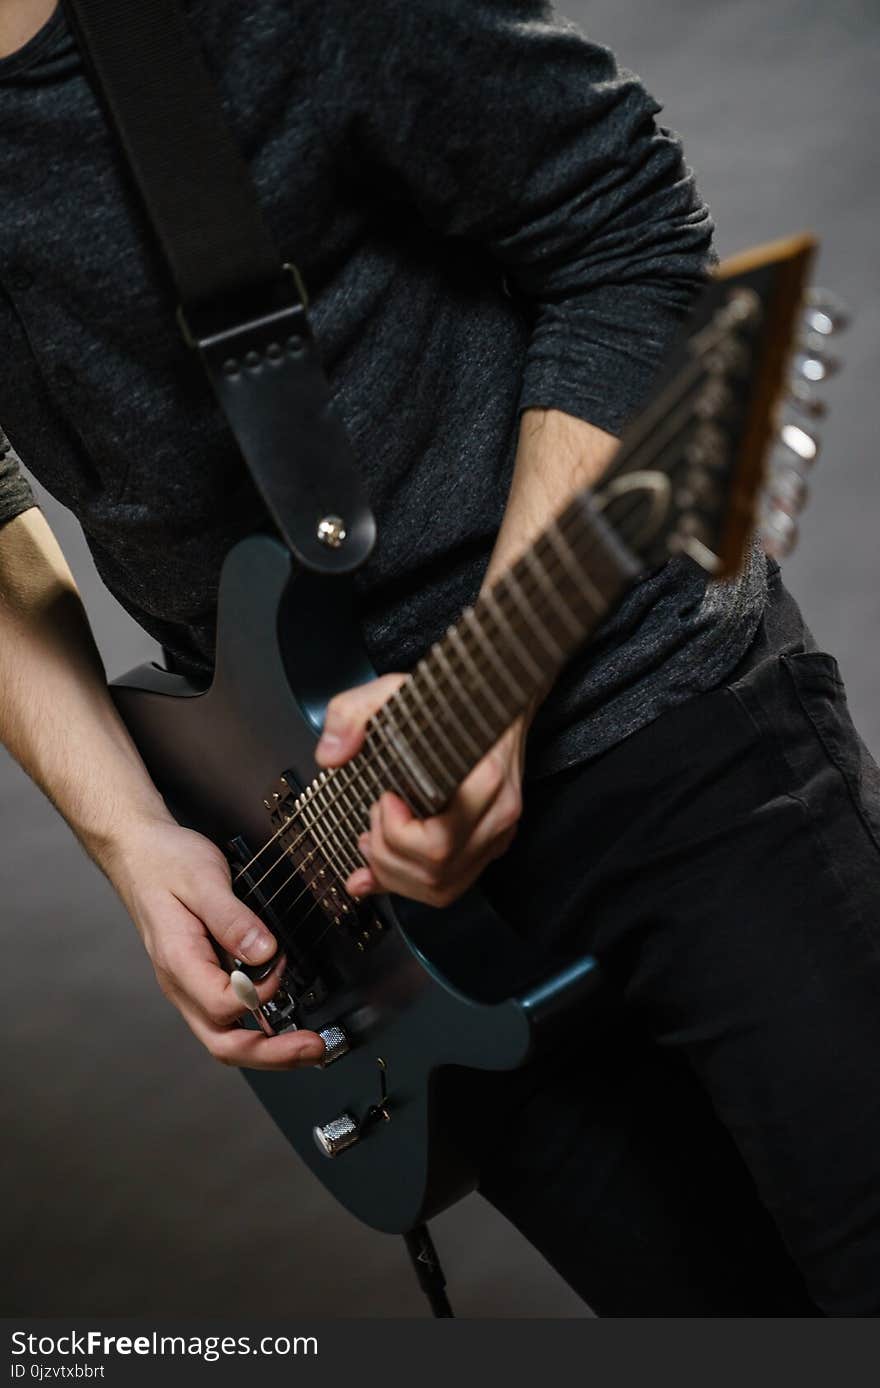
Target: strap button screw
x,y
331,531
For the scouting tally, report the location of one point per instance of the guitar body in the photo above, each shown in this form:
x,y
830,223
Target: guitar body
x,y
286,644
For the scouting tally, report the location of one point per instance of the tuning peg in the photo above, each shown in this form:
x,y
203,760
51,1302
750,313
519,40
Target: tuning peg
x,y
824,313
812,364
787,490
779,532
800,442
805,401
815,345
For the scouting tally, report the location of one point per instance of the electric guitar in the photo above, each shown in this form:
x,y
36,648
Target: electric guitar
x,y
397,1002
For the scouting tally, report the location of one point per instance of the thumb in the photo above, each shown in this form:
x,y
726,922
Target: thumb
x,y
347,717
228,921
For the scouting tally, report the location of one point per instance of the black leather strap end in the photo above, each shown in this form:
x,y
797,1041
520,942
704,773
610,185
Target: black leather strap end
x,y
266,375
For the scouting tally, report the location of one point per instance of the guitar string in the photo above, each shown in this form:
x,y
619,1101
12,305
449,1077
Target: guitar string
x,y
683,381
314,792
345,823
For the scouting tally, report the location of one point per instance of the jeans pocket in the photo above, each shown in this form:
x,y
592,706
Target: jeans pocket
x,y
820,692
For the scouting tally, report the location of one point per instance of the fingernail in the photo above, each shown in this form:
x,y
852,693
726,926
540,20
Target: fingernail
x,y
360,880
364,846
329,745
256,946
313,1053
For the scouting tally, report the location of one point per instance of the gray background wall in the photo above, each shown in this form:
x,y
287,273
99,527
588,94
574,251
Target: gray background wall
x,y
137,1177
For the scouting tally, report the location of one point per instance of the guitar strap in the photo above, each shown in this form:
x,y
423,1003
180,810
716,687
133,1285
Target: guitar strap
x,y
240,306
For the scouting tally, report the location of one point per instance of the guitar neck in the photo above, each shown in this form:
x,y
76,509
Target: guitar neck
x,y
503,654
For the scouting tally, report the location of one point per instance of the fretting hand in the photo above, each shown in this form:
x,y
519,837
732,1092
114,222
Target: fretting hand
x,y
431,860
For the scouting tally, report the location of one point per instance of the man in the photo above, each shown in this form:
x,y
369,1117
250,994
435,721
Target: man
x,y
499,243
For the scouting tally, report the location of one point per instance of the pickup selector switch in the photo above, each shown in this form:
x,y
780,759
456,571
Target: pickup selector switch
x,y
334,1137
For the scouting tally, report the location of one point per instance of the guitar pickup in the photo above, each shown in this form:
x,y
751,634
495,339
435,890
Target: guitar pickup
x,y
296,816
255,884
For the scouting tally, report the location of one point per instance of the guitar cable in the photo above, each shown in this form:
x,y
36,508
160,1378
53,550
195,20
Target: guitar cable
x,y
423,1255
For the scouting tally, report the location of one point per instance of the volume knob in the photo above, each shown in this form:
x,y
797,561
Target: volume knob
x,y
337,1135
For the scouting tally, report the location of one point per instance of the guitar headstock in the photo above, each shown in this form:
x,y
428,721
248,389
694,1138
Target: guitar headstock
x,y
742,381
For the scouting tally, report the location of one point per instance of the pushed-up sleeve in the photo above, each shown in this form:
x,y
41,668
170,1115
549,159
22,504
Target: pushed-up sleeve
x,y
15,490
506,126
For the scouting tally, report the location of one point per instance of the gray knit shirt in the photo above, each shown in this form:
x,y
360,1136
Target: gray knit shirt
x,y
487,218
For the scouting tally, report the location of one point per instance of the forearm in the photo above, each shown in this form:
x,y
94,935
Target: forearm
x,y
556,456
56,715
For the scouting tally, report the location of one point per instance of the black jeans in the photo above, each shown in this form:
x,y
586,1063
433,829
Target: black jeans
x,y
719,1153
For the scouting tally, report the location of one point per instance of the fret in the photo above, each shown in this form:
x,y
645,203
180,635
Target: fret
x,y
435,721
473,710
460,645
511,584
330,813
413,767
447,777
442,699
523,654
323,845
317,850
520,696
575,627
378,786
612,566
567,556
363,761
378,751
357,818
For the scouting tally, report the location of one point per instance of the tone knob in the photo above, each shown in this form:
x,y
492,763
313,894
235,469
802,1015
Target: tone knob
x,y
336,1044
334,1137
